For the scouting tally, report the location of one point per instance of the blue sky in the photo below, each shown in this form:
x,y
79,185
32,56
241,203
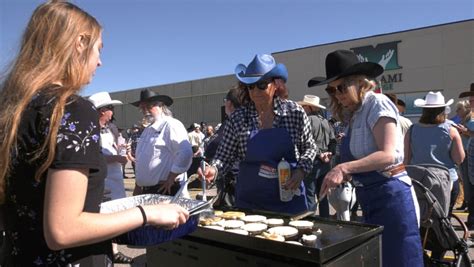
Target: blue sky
x,y
149,43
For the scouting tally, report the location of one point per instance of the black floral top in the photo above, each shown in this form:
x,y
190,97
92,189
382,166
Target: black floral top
x,y
77,146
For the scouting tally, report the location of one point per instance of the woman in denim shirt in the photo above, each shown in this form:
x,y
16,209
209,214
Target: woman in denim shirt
x,y
371,155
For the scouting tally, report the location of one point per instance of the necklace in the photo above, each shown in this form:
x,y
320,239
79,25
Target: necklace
x,y
265,120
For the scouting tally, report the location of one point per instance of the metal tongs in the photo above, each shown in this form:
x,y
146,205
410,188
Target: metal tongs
x,y
191,178
204,185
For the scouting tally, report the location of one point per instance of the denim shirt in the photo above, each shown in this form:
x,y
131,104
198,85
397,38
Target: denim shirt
x,y
374,106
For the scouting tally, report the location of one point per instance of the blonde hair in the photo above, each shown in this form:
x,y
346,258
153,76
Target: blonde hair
x,y
354,95
48,55
464,104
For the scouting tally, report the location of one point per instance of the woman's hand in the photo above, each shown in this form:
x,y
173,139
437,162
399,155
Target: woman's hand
x,y
209,173
121,159
295,180
325,157
333,178
168,216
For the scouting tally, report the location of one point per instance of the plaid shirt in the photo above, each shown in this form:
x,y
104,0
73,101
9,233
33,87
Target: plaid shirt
x,y
134,138
288,115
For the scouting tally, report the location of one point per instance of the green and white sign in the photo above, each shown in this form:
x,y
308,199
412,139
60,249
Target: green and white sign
x,y
385,54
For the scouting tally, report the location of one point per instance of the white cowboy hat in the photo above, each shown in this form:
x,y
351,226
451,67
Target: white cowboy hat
x,y
311,100
103,99
432,100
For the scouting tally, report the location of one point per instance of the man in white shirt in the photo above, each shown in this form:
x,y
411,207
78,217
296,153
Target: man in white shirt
x,y
163,153
196,138
113,187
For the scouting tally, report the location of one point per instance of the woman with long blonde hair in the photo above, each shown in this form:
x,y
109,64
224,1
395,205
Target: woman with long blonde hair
x,y
372,156
51,170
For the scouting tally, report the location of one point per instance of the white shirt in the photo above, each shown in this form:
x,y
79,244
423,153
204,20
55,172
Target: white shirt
x,y
114,179
163,148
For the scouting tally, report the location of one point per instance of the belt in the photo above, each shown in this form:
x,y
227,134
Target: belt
x,y
152,186
394,170
373,177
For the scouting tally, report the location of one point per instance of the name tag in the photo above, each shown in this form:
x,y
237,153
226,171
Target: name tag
x,y
268,172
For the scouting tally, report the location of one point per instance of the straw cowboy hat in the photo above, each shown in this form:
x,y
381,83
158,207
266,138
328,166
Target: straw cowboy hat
x,y
263,66
468,93
311,100
103,99
343,63
432,100
147,95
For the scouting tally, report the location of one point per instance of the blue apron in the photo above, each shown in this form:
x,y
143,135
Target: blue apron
x,y
257,184
388,202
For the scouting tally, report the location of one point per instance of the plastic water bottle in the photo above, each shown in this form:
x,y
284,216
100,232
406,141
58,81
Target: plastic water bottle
x,y
121,145
284,173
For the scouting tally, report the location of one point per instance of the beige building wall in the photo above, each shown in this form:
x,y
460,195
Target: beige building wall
x,y
431,59
439,58
194,101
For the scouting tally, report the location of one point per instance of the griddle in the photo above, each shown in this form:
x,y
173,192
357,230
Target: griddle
x,y
336,238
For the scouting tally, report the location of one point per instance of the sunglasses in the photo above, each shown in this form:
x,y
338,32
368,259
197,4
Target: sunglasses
x,y
342,87
262,85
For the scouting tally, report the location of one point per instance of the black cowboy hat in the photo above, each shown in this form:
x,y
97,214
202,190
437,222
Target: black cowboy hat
x,y
343,63
148,95
468,93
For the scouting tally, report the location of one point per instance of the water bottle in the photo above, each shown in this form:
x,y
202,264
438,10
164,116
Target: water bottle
x,y
121,145
284,173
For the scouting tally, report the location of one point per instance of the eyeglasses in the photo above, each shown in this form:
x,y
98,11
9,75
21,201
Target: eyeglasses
x,y
262,85
342,87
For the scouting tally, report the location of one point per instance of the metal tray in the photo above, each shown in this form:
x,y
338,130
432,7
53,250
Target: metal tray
x,y
149,235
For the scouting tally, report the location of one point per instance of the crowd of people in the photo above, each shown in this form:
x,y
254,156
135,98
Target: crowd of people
x,y
61,155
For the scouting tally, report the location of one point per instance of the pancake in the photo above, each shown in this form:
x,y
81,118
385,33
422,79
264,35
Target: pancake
x,y
233,224
254,219
255,228
309,240
285,231
273,222
232,215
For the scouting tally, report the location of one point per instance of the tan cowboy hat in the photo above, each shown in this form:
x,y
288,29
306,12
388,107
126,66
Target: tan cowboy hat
x,y
311,100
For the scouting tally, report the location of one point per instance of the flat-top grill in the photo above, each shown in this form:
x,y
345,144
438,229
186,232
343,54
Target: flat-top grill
x,y
339,244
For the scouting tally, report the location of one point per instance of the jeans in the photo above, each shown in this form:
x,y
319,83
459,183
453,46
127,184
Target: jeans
x,y
312,183
454,196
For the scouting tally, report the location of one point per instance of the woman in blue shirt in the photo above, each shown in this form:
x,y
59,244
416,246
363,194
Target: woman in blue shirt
x,y
372,155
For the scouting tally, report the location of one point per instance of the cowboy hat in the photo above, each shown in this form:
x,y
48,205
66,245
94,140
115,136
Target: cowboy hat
x,y
311,100
432,100
343,63
103,99
148,95
468,93
263,66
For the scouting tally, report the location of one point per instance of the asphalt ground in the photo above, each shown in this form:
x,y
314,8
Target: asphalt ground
x,y
139,254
